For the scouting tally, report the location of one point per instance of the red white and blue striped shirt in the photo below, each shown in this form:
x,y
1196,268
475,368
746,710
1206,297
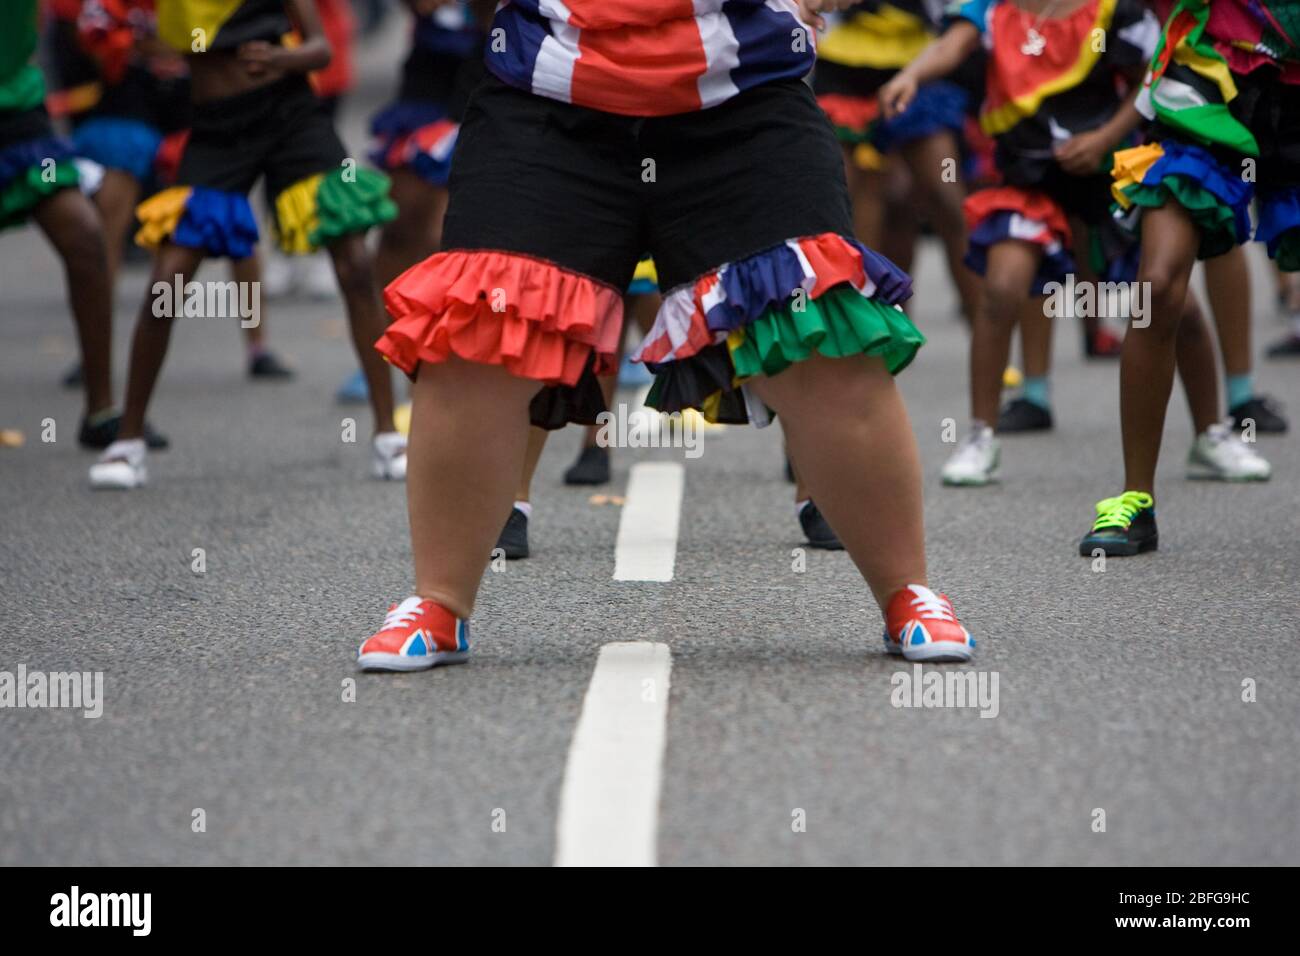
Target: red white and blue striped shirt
x,y
647,57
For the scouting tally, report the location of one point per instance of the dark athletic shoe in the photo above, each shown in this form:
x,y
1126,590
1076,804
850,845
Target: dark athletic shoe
x,y
1125,526
1288,347
514,536
591,468
1020,415
816,530
1263,411
103,434
266,365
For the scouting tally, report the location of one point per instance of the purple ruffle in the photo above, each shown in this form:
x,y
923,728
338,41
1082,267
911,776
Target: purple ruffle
x,y
995,228
17,159
1200,166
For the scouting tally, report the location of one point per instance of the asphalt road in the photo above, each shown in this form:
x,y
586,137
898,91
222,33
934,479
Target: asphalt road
x,y
1120,691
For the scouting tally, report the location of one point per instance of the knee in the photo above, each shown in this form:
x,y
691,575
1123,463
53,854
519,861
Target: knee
x,y
1165,290
1003,299
354,271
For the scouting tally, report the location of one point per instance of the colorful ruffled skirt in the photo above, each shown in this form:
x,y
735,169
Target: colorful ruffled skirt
x,y
1014,213
34,164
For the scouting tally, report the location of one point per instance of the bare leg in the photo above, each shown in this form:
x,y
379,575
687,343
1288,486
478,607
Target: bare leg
x,y
247,271
1197,366
867,192
69,220
116,200
929,159
1227,283
152,334
536,442
1146,375
356,277
1010,273
849,431
416,233
468,443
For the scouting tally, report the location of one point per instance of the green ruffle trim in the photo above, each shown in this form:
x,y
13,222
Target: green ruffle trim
x,y
1212,216
1288,251
344,207
840,323
21,196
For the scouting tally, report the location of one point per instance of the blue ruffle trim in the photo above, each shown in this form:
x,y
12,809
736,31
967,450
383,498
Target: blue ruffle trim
x,y
17,159
991,230
400,121
217,222
1200,166
115,143
1279,213
404,116
767,279
937,106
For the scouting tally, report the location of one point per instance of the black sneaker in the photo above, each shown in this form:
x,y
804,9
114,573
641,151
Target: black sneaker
x,y
514,536
591,468
102,434
266,365
1125,526
72,378
1288,347
1263,411
816,530
1021,415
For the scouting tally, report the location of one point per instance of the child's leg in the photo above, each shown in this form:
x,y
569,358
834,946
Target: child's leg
x,y
116,199
928,158
459,486
849,431
867,193
1169,243
69,220
152,333
416,233
1197,366
1227,284
1009,276
355,272
536,443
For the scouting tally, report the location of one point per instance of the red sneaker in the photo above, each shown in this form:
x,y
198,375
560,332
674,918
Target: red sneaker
x,y
922,626
416,635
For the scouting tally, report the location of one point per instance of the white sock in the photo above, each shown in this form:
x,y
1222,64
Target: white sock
x,y
525,507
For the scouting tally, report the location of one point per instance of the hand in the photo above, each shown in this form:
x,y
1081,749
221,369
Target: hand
x,y
897,94
1083,155
261,59
810,11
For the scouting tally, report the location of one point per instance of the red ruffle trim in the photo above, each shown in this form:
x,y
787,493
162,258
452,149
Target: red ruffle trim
x,y
1030,203
850,112
529,316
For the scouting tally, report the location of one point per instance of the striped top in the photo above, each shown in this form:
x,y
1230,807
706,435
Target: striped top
x,y
647,57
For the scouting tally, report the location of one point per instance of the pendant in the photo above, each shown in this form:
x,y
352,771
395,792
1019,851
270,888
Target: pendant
x,y
1034,43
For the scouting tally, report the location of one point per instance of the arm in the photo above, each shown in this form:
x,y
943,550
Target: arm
x,y
1083,155
270,59
937,60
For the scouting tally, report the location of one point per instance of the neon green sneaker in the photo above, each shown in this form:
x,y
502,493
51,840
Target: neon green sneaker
x,y
1125,526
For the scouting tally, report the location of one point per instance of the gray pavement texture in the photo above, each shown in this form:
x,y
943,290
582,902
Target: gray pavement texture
x,y
1119,690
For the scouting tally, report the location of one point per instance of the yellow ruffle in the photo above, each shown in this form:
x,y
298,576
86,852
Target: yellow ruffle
x,y
1131,167
886,39
296,215
160,214
646,272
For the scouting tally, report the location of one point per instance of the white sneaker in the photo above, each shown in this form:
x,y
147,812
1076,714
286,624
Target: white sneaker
x,y
975,458
389,460
1220,455
120,467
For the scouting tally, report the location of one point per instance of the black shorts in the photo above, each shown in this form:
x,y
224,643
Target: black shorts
x,y
282,131
743,207
593,192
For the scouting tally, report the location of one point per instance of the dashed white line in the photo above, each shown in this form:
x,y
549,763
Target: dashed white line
x,y
646,549
609,801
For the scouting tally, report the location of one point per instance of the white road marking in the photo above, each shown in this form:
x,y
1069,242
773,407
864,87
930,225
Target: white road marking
x,y
646,549
609,801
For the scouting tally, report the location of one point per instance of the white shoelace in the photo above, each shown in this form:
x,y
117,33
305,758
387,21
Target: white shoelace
x,y
402,615
930,605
